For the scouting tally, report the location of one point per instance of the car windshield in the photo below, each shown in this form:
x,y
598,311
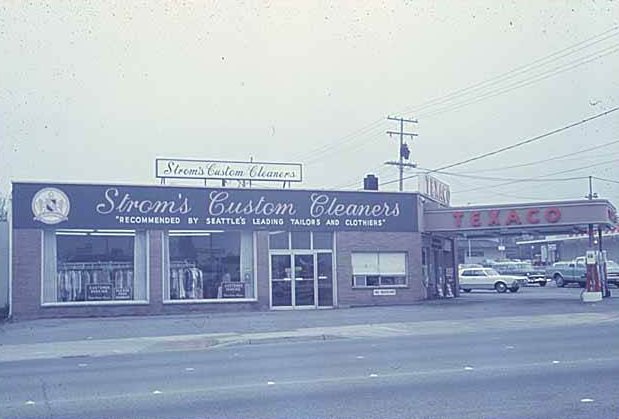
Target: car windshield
x,y
612,264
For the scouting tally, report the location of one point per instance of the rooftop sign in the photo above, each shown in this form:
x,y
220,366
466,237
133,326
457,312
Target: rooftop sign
x,y
228,170
434,189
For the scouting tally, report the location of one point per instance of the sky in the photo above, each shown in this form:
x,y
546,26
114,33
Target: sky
x,y
95,91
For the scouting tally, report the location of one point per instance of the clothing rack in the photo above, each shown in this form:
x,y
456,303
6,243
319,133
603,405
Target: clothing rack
x,y
186,281
73,279
180,264
84,266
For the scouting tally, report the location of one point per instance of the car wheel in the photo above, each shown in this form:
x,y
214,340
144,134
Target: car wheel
x,y
559,281
500,287
514,289
542,284
466,289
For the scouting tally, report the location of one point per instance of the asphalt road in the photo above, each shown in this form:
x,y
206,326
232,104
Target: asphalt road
x,y
544,372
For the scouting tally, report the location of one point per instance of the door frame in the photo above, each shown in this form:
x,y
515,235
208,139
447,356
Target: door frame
x,y
292,254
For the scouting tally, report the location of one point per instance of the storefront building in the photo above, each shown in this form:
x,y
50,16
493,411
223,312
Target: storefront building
x,y
108,250
98,250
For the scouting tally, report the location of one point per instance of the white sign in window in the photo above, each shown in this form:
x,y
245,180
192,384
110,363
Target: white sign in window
x,y
365,263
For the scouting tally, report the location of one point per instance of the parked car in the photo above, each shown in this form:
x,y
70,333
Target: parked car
x,y
612,272
488,279
568,272
526,269
467,266
575,272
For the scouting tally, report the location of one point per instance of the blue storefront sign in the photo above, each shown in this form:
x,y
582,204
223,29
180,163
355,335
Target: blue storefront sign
x,y
72,206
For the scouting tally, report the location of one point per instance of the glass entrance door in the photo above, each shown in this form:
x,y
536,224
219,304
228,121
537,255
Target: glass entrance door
x,y
324,271
302,280
304,294
281,281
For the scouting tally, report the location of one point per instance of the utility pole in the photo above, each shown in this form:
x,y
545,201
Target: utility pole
x,y
590,196
403,150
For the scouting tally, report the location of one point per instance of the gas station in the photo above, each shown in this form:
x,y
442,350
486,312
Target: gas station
x,y
535,219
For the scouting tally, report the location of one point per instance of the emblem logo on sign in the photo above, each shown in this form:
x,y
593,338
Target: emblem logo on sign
x,y
50,206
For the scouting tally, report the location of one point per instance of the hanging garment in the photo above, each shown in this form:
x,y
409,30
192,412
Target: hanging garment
x,y
188,284
174,288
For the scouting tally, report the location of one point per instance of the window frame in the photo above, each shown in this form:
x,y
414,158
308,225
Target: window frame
x,y
165,277
363,278
43,273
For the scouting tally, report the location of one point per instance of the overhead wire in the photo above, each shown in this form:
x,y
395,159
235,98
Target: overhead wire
x,y
604,180
544,175
552,158
352,137
502,179
518,85
519,70
519,144
342,141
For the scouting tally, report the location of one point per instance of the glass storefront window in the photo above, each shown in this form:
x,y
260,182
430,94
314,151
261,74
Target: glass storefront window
x,y
278,240
323,240
301,240
209,265
383,269
94,266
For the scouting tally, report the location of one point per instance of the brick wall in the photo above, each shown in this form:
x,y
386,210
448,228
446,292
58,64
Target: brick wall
x,y
26,301
26,286
348,242
262,271
27,278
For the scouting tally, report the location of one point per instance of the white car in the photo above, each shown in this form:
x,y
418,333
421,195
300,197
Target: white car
x,y
489,279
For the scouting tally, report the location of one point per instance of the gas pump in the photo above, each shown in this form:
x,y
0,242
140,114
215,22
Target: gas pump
x,y
593,285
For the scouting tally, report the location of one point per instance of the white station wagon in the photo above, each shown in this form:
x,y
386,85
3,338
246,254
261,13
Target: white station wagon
x,y
489,279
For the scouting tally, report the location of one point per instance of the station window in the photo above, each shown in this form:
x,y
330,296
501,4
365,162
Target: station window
x,y
203,266
94,266
383,269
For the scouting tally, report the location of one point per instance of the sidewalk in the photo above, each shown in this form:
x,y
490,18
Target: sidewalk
x,y
201,341
104,336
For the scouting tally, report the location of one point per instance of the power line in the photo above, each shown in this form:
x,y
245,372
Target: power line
x,y
343,140
352,137
518,70
518,84
520,143
355,181
501,179
545,175
604,180
585,150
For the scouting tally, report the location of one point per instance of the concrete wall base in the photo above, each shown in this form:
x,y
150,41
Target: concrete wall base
x,y
591,297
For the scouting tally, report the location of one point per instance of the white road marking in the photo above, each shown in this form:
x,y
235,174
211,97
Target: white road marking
x,y
373,375
509,347
360,357
156,392
270,383
82,365
586,400
30,402
468,368
556,362
89,337
189,369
